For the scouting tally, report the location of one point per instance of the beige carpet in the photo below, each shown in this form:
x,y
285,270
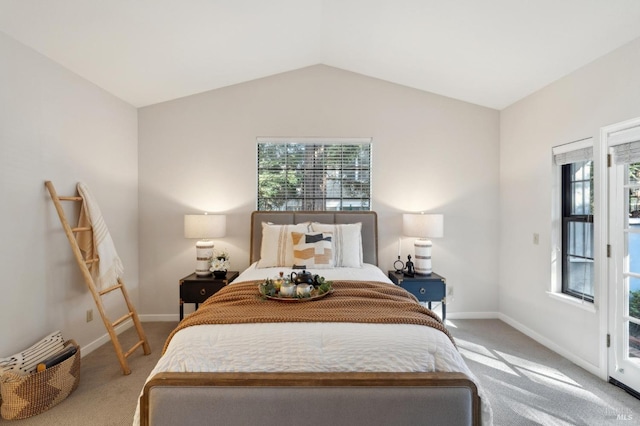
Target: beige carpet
x,y
526,383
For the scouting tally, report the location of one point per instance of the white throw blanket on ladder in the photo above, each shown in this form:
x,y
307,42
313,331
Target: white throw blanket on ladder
x,y
107,271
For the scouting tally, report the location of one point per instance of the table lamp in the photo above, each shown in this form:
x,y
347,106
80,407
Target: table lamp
x,y
423,226
204,227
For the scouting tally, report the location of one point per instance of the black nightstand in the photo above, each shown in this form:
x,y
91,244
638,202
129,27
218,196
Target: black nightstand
x,y
196,289
426,288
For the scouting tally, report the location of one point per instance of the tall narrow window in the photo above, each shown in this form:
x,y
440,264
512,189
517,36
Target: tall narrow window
x,y
577,229
314,174
573,231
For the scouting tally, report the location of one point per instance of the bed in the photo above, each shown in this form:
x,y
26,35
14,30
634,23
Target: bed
x,y
336,360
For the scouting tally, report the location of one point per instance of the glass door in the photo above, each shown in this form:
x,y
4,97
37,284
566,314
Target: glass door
x,y
624,290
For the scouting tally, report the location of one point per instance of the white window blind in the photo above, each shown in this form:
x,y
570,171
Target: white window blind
x,y
626,145
314,174
573,152
584,154
626,153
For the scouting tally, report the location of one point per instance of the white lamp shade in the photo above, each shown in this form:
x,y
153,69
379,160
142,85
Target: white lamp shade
x,y
204,226
423,225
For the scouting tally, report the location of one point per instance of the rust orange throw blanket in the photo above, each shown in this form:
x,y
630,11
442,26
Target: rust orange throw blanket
x,y
351,301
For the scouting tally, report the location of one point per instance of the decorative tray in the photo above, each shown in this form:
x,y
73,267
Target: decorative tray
x,y
268,290
297,298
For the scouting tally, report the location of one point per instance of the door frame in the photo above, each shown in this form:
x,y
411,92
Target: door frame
x,y
608,273
601,244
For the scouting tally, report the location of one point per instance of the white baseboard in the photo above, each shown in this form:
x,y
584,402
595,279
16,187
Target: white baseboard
x,y
453,315
593,369
159,318
473,315
88,348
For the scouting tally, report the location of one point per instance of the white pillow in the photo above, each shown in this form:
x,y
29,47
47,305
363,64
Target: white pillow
x,y
347,242
26,362
313,250
277,245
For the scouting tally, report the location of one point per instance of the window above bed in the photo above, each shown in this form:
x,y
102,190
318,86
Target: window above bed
x,y
310,174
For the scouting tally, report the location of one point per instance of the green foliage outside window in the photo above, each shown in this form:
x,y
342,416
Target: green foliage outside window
x,y
634,311
634,296
314,176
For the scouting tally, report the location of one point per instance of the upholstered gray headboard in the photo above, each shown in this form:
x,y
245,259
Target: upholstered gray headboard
x,y
368,219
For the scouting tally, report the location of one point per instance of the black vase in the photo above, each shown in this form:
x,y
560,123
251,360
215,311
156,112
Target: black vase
x,y
220,274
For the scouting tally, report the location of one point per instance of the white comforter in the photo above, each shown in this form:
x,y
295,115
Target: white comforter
x,y
319,347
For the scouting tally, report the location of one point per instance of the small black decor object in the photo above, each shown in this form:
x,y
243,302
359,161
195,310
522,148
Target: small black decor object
x,y
399,265
304,277
410,272
220,274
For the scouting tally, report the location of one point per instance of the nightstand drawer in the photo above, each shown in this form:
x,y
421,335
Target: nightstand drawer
x,y
425,291
426,288
199,292
196,289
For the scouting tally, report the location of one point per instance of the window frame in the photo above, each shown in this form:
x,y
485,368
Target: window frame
x,y
310,198
568,217
563,154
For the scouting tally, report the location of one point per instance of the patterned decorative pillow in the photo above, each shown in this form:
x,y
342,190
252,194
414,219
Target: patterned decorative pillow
x,y
347,242
26,362
277,246
313,250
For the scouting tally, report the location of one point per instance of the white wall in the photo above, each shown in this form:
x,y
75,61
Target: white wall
x,y
430,153
56,126
606,91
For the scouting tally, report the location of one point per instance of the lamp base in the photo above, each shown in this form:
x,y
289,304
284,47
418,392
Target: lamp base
x,y
422,259
204,254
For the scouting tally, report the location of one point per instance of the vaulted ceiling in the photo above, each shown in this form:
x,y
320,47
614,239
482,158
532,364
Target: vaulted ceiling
x,y
488,52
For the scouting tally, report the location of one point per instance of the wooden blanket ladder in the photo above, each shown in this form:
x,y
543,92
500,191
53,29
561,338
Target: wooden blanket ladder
x,y
97,294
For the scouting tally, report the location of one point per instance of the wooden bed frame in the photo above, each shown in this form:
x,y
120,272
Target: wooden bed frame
x,y
311,398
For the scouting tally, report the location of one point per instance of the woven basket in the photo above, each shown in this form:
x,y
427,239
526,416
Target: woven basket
x,y
26,396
